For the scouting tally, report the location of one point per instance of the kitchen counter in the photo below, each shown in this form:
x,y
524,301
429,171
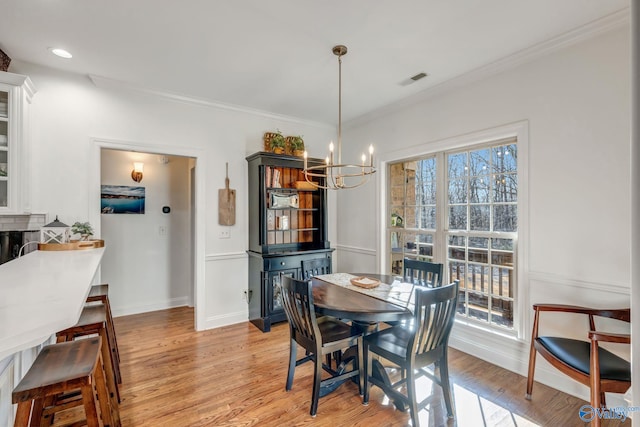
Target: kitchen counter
x,y
42,293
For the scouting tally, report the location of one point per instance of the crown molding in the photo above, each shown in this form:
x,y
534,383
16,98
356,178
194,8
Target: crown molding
x,y
592,29
111,84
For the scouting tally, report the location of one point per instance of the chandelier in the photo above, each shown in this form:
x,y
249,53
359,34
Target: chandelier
x,y
338,175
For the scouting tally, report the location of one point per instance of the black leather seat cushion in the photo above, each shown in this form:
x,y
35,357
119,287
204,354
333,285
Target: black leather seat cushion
x,y
576,354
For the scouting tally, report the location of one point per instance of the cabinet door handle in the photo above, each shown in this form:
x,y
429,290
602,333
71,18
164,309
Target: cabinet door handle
x,y
282,263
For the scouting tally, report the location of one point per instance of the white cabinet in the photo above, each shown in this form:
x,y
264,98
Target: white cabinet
x,y
16,92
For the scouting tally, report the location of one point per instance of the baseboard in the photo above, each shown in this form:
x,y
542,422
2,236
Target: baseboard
x,y
226,319
154,306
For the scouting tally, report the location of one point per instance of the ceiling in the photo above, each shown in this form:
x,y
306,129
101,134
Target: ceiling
x,y
276,55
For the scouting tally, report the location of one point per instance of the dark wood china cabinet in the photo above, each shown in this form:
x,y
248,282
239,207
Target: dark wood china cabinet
x,y
287,225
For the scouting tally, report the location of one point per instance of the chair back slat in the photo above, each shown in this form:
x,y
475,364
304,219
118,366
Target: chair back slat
x,y
315,267
434,313
297,300
423,273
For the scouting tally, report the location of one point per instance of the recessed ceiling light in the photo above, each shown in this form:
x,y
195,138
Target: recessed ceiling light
x,y
60,52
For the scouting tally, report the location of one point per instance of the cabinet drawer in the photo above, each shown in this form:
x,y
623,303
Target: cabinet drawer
x,y
283,263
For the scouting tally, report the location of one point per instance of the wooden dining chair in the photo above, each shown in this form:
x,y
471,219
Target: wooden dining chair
x,y
415,346
319,337
584,361
315,267
422,273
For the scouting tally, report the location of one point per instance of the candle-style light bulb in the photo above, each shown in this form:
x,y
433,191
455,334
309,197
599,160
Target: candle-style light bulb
x,y
304,155
363,159
371,155
331,153
327,160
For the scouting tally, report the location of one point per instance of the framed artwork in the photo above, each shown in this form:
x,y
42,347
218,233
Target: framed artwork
x,y
122,199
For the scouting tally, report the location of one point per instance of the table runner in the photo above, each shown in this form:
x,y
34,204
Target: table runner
x,y
398,292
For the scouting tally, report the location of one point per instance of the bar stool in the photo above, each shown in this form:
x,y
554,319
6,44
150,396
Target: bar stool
x,y
63,368
100,293
93,320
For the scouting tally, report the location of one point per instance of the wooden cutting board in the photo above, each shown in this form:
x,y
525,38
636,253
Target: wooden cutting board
x,y
226,203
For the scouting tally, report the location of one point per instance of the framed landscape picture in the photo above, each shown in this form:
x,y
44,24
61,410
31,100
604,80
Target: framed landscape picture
x,y
122,199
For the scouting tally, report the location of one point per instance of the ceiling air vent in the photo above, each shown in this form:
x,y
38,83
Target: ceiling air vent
x,y
418,76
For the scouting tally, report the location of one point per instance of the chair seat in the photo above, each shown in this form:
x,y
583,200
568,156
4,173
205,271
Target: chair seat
x,y
333,330
392,341
576,353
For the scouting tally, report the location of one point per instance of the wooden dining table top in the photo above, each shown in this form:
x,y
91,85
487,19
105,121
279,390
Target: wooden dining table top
x,y
338,301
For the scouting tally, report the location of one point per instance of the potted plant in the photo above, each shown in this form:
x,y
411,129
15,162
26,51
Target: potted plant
x,y
297,145
84,229
278,143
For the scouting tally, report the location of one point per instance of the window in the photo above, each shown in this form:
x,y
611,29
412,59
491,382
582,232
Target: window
x,y
460,207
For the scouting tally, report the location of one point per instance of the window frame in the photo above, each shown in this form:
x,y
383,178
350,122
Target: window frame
x,y
518,131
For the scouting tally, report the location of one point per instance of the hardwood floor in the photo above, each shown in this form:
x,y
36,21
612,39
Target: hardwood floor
x,y
235,376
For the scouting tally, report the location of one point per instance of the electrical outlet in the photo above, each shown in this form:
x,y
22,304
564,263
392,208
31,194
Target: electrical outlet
x,y
224,234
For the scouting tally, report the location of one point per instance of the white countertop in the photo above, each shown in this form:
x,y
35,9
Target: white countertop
x,y
42,293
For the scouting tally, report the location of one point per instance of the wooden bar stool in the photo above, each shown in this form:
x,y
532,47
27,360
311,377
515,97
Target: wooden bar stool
x,y
63,368
93,320
100,293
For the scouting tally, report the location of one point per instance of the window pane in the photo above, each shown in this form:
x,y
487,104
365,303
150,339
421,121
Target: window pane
x,y
505,158
479,162
503,244
396,174
458,217
502,312
456,272
478,278
396,196
425,218
502,258
458,191
456,253
457,241
478,306
505,188
479,255
505,218
502,282
478,242
480,217
458,167
426,193
479,190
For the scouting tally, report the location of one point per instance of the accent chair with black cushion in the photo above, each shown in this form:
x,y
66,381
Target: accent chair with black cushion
x,y
584,361
414,346
318,336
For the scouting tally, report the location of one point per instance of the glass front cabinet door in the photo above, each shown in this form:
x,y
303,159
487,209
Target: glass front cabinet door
x,y
16,92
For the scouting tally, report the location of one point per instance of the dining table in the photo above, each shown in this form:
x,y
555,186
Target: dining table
x,y
341,295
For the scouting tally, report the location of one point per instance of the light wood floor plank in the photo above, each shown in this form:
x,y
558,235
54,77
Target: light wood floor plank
x,y
235,376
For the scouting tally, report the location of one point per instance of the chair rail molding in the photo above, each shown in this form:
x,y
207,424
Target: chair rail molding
x,y
223,256
356,250
560,280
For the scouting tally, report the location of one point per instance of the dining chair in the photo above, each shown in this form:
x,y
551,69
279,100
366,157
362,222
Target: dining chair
x,y
414,346
315,267
422,273
584,361
319,336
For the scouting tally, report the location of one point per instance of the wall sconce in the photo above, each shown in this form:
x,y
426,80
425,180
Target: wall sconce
x,y
136,173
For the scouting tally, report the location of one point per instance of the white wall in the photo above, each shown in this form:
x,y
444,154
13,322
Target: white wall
x,y
70,113
148,270
577,104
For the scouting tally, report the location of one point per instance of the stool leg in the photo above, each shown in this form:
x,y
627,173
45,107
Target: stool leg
x,y
112,328
107,362
110,413
89,403
22,414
